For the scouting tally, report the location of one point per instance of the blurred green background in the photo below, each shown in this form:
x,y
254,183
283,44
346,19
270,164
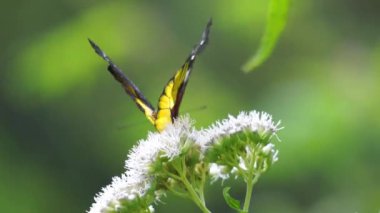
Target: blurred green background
x,y
66,126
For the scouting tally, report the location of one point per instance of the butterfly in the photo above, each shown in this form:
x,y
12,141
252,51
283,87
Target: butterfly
x,y
172,94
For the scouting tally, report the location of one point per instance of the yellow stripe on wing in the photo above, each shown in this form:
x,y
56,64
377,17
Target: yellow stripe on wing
x,y
179,78
149,113
165,105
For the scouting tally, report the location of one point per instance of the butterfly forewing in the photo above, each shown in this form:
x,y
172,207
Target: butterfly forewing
x,y
130,88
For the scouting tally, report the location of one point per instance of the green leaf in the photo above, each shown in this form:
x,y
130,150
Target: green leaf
x,y
231,202
276,21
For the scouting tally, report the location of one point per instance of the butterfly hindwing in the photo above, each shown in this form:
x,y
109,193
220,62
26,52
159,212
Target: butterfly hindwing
x,y
130,88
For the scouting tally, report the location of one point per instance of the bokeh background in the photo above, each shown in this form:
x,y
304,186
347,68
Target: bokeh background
x,y
66,126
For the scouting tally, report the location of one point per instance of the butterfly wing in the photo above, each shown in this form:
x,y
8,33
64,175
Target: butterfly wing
x,y
171,97
130,88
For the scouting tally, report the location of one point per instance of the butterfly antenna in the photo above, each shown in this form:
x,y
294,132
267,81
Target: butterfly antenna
x,y
204,39
100,52
195,109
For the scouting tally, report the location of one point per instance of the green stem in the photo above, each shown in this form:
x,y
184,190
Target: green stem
x,y
180,194
193,194
250,183
175,177
202,187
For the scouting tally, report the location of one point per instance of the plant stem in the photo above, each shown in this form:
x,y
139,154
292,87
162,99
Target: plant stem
x,y
180,194
250,183
202,188
193,194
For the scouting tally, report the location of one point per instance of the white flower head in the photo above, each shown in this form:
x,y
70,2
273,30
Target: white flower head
x,y
259,122
137,180
111,196
240,145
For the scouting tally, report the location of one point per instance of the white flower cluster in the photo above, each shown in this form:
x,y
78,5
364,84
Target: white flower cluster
x,y
260,123
137,180
254,121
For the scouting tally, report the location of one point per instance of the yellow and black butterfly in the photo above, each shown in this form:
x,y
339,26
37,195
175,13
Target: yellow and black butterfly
x,y
171,97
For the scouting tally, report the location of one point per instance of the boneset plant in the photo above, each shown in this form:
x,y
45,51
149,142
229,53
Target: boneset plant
x,y
181,159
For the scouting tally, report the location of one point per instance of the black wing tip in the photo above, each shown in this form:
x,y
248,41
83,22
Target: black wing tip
x,y
204,39
206,32
209,23
91,42
99,51
95,46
